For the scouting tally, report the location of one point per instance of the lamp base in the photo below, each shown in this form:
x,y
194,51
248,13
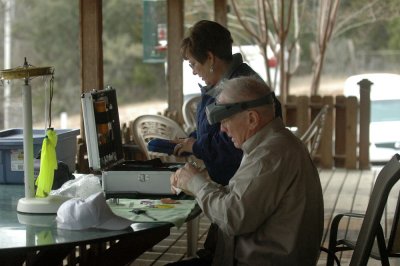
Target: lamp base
x,y
34,219
47,205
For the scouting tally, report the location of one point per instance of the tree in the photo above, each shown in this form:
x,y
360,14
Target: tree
x,y
327,13
286,25
124,68
394,30
47,33
277,26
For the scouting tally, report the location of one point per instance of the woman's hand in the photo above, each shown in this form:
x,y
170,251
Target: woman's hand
x,y
183,145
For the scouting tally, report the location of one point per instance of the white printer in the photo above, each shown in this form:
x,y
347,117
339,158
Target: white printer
x,y
105,153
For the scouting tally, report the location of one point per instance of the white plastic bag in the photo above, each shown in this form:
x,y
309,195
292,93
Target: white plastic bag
x,y
81,187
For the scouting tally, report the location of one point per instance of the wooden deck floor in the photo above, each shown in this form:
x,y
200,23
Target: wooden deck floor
x,y
344,190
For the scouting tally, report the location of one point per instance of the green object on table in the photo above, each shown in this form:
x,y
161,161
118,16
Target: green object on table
x,y
48,164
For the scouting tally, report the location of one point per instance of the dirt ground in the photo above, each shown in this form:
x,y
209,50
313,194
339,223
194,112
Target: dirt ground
x,y
299,86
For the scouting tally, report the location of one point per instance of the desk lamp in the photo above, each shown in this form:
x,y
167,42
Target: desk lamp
x,y
30,203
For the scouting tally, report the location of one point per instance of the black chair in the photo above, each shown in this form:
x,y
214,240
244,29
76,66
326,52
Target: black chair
x,y
371,228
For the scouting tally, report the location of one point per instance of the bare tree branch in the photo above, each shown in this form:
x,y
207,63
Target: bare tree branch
x,y
328,13
244,25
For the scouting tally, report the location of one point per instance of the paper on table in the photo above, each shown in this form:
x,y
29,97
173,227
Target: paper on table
x,y
173,213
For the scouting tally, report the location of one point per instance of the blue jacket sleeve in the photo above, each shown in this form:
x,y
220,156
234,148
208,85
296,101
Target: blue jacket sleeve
x,y
215,148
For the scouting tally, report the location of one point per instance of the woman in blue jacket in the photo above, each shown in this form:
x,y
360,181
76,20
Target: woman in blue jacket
x,y
208,49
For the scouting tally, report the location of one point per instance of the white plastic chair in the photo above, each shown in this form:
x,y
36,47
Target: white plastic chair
x,y
189,110
148,127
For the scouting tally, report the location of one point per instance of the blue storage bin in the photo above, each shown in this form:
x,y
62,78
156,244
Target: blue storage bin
x,y
12,151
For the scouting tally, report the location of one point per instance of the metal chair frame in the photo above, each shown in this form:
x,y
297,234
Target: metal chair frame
x,y
371,228
313,134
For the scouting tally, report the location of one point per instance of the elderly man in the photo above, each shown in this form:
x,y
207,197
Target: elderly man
x,y
271,212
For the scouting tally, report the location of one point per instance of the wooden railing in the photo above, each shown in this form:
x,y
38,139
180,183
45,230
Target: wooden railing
x,y
345,138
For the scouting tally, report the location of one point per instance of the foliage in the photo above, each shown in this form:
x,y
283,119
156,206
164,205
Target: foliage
x,y
47,33
2,7
365,25
393,30
196,10
122,54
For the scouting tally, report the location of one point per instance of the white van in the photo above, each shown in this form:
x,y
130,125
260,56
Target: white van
x,y
385,113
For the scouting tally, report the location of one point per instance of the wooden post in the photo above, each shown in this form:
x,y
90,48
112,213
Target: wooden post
x,y
220,12
365,119
302,114
174,60
340,131
326,149
351,132
91,46
289,111
91,29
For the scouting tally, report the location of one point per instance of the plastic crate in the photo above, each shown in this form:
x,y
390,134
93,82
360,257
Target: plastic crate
x,y
12,151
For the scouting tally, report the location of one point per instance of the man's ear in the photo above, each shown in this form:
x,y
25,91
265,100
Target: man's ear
x,y
254,119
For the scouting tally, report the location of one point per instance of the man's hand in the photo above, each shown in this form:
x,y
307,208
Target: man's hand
x,y
182,177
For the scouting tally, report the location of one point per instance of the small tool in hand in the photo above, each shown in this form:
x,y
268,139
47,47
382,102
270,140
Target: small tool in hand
x,y
140,211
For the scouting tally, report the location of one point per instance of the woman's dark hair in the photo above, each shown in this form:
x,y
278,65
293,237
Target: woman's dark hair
x,y
207,36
